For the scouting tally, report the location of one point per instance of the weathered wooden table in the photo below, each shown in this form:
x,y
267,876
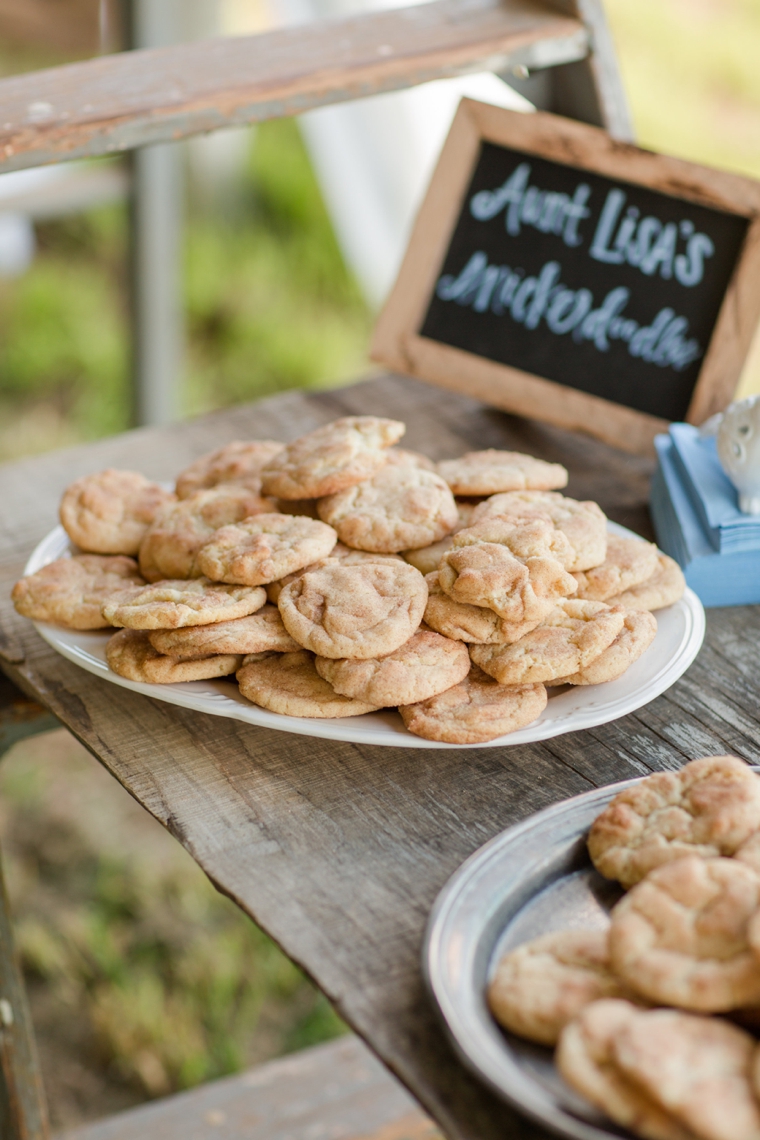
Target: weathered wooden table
x,y
338,850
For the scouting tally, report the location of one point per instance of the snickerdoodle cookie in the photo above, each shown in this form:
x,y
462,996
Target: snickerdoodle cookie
x,y
489,472
332,458
428,558
403,456
109,512
583,523
260,632
475,711
423,666
629,562
681,936
665,586
710,807
264,548
130,654
172,604
71,591
401,506
288,683
239,462
525,538
464,622
638,632
699,1069
542,984
511,570
585,1058
565,642
354,611
339,553
171,544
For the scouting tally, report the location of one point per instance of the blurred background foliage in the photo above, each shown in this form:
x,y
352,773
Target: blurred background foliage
x,y
269,305
143,979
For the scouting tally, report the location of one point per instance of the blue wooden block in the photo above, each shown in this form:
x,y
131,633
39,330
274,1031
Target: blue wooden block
x,y
719,579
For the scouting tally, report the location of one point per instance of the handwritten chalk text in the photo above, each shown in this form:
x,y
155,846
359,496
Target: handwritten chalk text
x,y
529,300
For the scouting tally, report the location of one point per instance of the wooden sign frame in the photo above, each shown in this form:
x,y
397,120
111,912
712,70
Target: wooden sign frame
x,y
396,340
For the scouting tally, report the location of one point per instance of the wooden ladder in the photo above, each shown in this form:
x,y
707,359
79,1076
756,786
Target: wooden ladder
x,y
559,54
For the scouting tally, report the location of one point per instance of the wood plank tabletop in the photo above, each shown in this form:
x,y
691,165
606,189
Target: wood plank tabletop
x,y
339,850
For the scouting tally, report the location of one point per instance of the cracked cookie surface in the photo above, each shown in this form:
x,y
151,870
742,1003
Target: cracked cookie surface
x,y
259,632
354,611
683,935
541,985
130,654
423,666
238,463
491,471
476,710
400,507
565,642
288,683
171,544
71,591
110,511
172,604
264,548
709,807
584,524
331,458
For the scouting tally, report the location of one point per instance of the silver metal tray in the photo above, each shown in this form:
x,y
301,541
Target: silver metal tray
x,y
532,879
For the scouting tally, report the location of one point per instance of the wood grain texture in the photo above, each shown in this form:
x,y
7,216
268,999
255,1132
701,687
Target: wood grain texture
x,y
23,1112
20,717
338,850
595,81
124,101
335,1090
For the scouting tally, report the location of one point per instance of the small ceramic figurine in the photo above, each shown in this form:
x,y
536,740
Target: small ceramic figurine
x,y
738,443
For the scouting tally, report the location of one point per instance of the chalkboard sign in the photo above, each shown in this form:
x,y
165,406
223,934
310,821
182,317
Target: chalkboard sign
x,y
556,272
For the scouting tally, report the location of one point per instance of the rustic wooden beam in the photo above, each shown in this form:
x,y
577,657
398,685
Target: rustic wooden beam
x,y
23,1112
20,716
136,98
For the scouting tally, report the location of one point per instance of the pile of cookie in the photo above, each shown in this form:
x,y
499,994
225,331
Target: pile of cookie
x,y
340,574
628,1007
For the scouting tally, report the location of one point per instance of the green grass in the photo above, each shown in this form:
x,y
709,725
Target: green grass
x,y
691,74
270,303
269,306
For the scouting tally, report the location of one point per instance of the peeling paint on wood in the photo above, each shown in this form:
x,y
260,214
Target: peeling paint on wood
x,y
123,101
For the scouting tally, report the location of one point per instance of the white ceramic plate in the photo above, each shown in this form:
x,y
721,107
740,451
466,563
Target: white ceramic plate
x,y
680,630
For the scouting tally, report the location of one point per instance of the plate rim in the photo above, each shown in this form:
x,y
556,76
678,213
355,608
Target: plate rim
x,y
557,1119
472,1056
220,704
